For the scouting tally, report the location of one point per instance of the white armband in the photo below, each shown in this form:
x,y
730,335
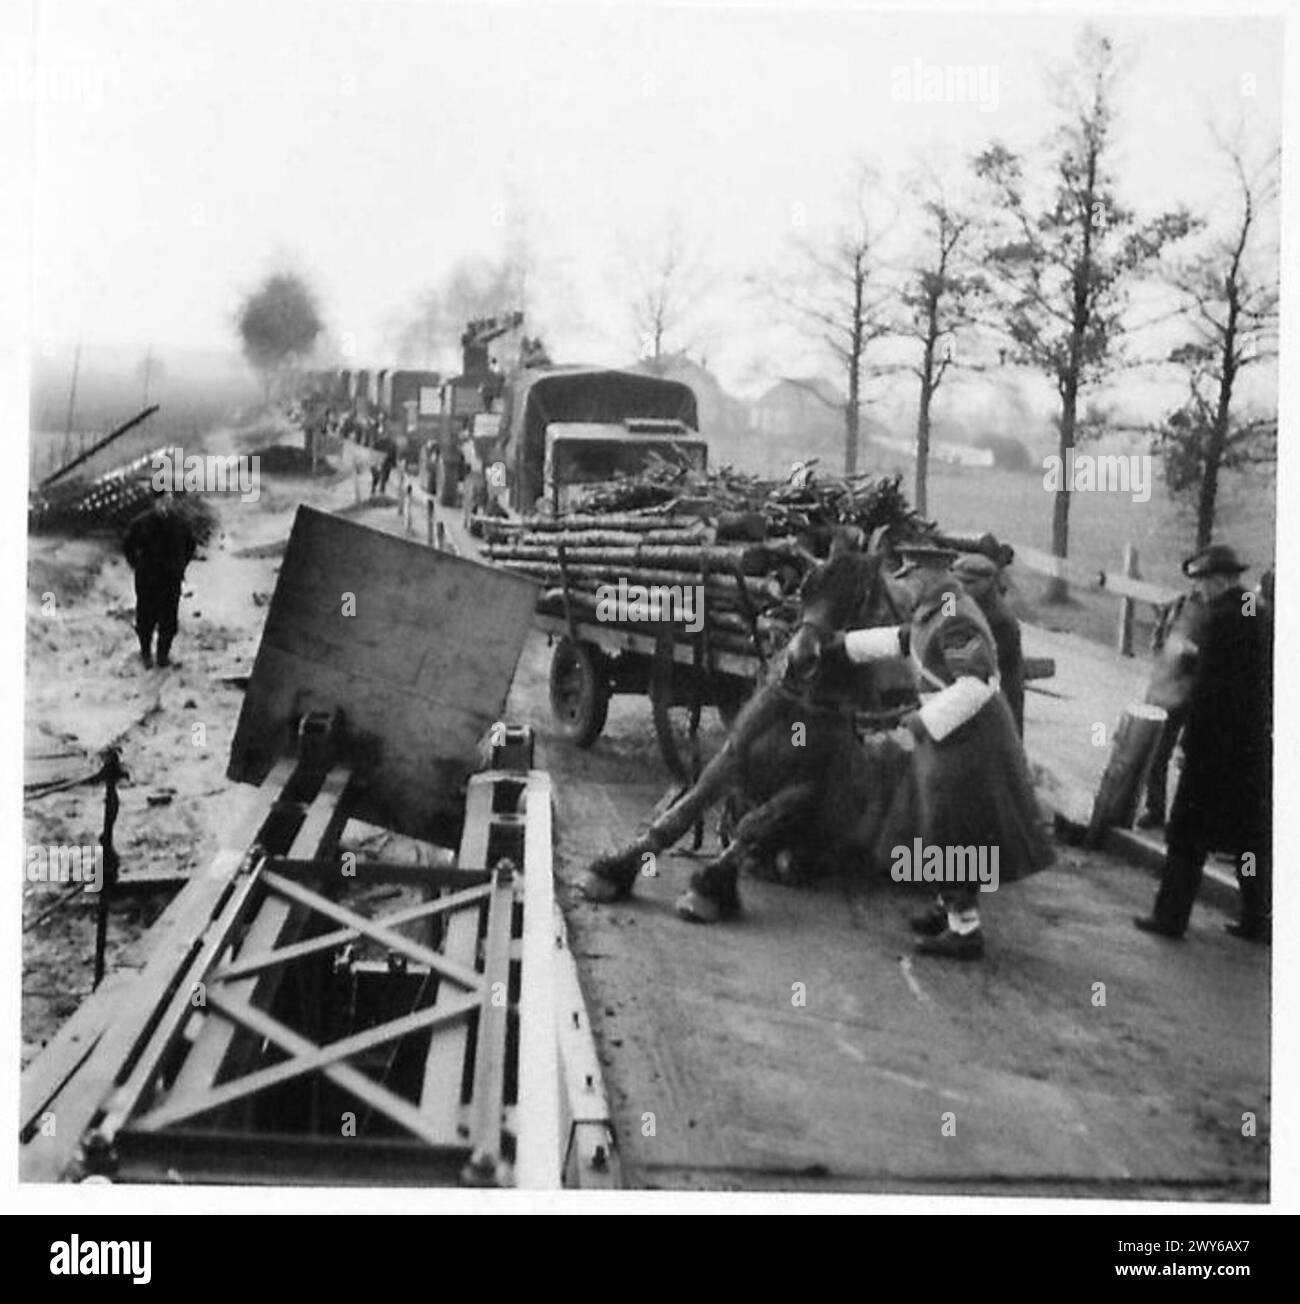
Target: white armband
x,y
953,706
873,644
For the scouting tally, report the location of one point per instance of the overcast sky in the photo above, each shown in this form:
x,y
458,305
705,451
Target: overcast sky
x,y
183,150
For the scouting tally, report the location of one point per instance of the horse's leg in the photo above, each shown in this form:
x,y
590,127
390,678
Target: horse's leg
x,y
712,894
612,877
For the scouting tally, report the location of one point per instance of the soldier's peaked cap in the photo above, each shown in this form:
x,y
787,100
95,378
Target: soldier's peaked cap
x,y
1217,559
974,566
925,554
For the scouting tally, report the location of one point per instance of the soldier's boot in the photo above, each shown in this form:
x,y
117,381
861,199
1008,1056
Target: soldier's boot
x,y
164,653
712,894
961,939
931,922
146,656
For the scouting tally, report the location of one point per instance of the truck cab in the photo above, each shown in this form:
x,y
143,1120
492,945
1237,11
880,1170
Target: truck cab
x,y
565,427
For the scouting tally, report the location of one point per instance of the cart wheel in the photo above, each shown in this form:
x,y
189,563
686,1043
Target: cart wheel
x,y
677,722
732,694
579,691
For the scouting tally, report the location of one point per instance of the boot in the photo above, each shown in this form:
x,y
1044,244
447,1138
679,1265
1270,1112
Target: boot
x,y
145,655
953,946
933,922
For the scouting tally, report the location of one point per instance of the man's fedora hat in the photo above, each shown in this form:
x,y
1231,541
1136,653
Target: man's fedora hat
x,y
1217,559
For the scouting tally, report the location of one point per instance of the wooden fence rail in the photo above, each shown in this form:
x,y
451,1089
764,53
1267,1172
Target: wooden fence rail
x,y
1123,584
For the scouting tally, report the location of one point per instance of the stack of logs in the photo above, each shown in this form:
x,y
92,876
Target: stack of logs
x,y
110,501
748,587
746,551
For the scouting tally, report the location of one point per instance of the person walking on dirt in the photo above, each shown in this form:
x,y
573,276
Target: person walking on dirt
x,y
1224,796
158,545
979,577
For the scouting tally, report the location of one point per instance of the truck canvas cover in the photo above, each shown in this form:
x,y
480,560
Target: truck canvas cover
x,y
580,394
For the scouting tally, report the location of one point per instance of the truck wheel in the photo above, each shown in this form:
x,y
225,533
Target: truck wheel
x,y
579,691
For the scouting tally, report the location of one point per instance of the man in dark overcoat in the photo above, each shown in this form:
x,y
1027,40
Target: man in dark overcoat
x,y
158,544
1224,796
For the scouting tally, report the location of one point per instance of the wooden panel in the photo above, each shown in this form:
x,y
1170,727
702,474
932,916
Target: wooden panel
x,y
444,1067
540,1150
420,669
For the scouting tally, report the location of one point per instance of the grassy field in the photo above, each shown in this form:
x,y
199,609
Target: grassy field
x,y
1018,509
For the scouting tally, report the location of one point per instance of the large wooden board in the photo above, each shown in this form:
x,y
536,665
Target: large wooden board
x,y
415,647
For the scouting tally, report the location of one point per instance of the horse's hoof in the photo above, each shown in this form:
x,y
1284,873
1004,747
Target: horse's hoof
x,y
697,908
601,890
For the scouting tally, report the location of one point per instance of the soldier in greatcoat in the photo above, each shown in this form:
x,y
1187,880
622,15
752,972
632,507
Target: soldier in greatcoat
x,y
1224,797
980,578
968,785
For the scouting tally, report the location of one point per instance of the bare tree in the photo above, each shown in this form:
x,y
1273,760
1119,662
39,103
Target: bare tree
x,y
1230,290
839,296
1063,265
941,297
278,325
668,285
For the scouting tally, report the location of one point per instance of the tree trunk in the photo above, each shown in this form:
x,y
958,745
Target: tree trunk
x,y
851,433
1057,589
1208,497
923,427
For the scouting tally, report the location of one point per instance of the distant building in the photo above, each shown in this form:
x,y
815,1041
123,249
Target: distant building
x,y
809,406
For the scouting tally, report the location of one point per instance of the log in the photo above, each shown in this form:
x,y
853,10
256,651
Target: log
x,y
761,590
753,559
611,538
1130,754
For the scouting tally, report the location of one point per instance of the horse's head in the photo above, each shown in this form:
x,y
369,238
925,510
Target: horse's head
x,y
846,591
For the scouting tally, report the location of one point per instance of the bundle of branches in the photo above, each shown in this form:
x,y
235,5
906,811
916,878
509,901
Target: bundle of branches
x,y
810,504
111,500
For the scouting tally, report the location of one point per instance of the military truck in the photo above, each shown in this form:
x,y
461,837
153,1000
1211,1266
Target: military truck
x,y
563,427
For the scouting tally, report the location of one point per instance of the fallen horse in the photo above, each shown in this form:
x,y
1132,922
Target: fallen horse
x,y
834,762
810,761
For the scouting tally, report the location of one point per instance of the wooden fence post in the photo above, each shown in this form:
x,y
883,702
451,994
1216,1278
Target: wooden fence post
x,y
1124,637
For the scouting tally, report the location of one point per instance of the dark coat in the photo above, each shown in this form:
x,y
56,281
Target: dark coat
x,y
159,544
1224,798
973,787
1011,663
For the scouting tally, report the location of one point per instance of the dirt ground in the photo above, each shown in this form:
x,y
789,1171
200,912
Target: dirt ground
x,y
86,689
